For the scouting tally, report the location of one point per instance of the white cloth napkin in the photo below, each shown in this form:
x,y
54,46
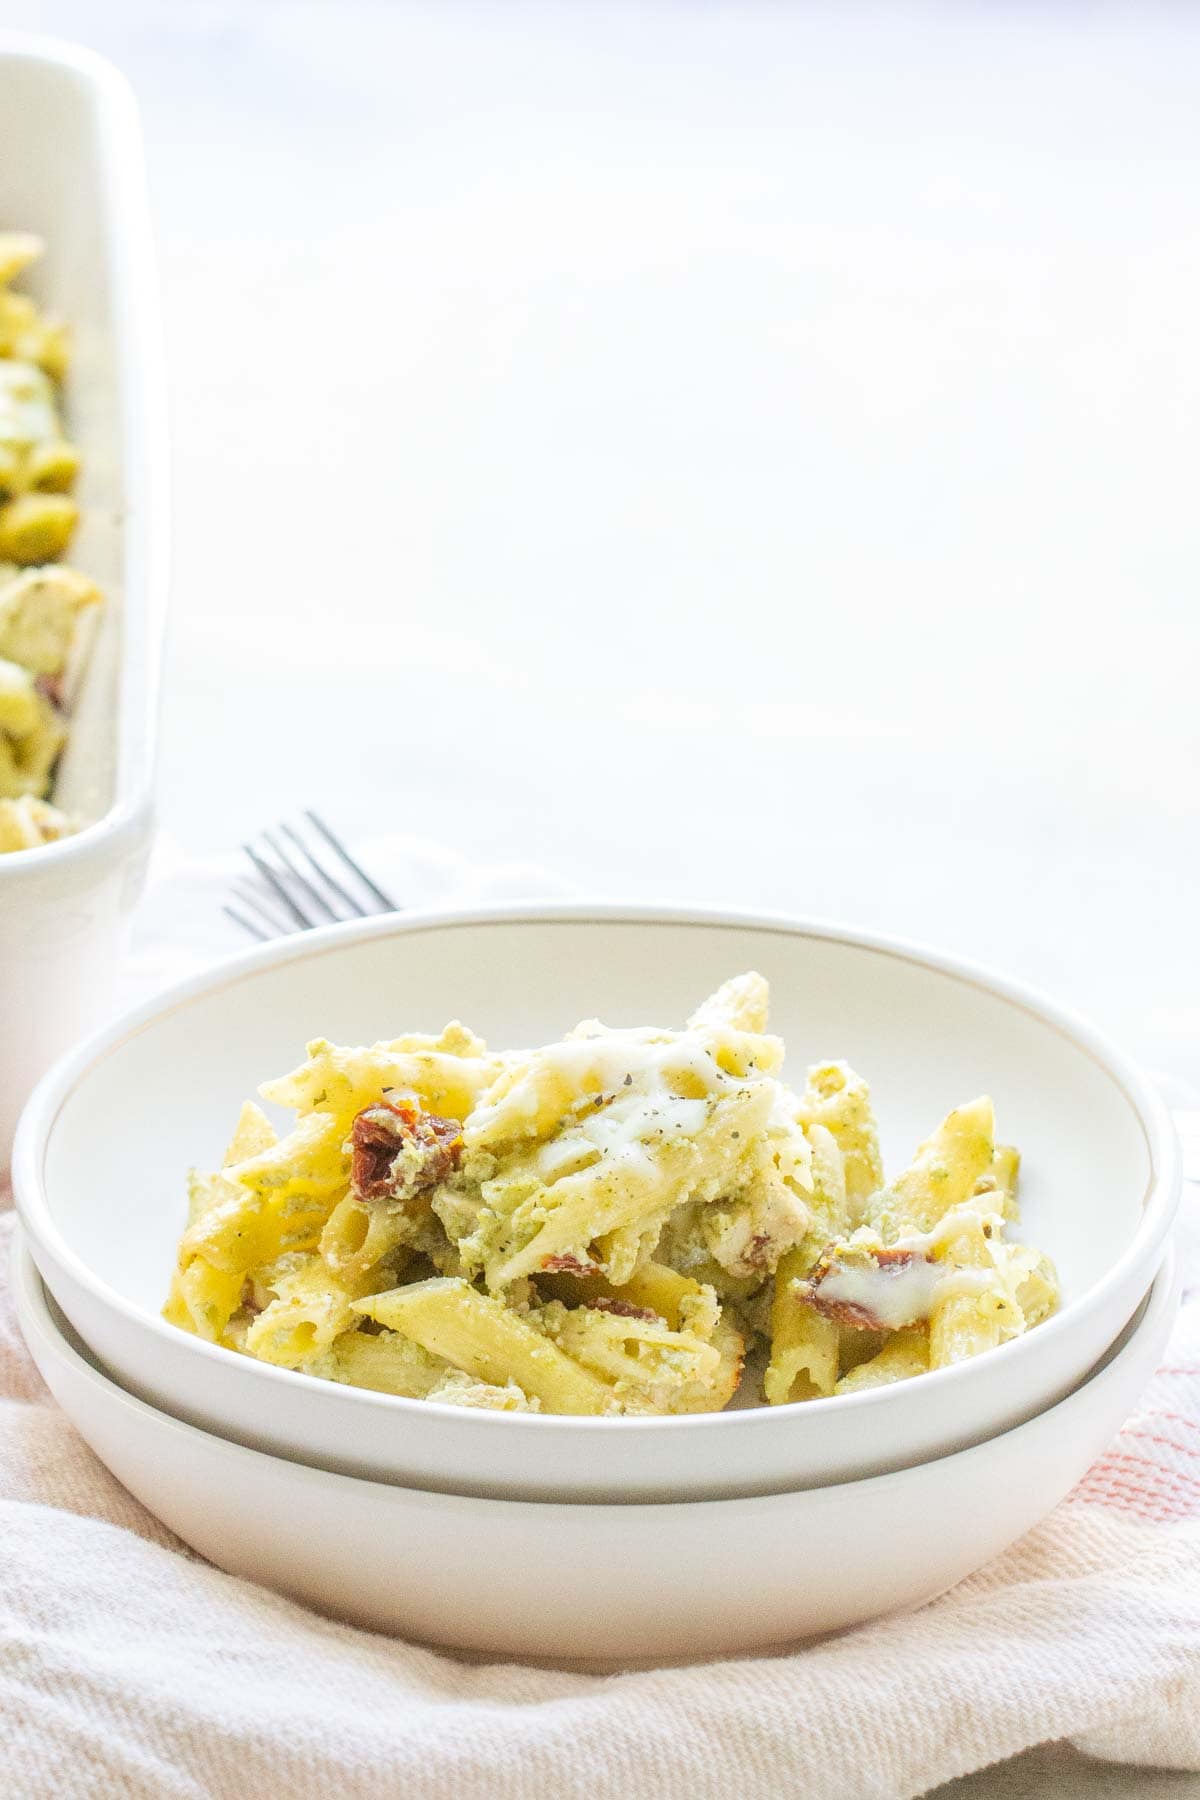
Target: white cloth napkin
x,y
129,1667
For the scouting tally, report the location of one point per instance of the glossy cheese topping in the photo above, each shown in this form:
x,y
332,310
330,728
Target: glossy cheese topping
x,y
900,1294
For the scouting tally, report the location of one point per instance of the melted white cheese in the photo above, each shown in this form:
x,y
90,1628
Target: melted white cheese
x,y
902,1295
621,1096
622,1132
630,1091
959,1221
894,1297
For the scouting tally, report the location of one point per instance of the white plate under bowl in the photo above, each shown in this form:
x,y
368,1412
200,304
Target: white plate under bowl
x,y
103,1148
512,1578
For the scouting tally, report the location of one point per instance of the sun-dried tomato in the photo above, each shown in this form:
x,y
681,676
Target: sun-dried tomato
x,y
397,1149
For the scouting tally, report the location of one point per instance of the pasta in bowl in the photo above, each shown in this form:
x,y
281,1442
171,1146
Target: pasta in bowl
x,y
104,1211
625,1222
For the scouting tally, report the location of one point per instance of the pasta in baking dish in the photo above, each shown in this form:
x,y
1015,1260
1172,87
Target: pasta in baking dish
x,y
626,1221
45,609
38,463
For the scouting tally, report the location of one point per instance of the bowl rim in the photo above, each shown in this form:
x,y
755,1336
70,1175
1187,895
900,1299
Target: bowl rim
x,y
1160,1298
1159,1202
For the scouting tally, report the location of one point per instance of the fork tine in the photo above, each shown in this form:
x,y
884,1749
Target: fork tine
x,y
278,906
301,877
339,849
356,906
264,937
245,895
270,876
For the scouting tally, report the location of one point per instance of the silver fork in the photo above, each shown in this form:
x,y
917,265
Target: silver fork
x,y
292,889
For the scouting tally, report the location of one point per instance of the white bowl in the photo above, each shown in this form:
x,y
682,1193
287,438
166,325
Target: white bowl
x,y
599,1582
71,170
103,1147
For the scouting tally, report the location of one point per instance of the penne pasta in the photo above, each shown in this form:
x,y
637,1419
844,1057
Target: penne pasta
x,y
623,1222
905,1354
486,1339
942,1175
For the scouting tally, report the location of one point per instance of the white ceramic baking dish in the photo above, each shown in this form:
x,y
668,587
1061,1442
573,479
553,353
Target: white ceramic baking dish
x,y
71,169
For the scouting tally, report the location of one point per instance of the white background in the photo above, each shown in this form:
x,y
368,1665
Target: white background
x,y
742,452
731,451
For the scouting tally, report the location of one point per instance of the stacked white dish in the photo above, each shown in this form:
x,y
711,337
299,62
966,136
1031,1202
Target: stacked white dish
x,y
71,171
593,1538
